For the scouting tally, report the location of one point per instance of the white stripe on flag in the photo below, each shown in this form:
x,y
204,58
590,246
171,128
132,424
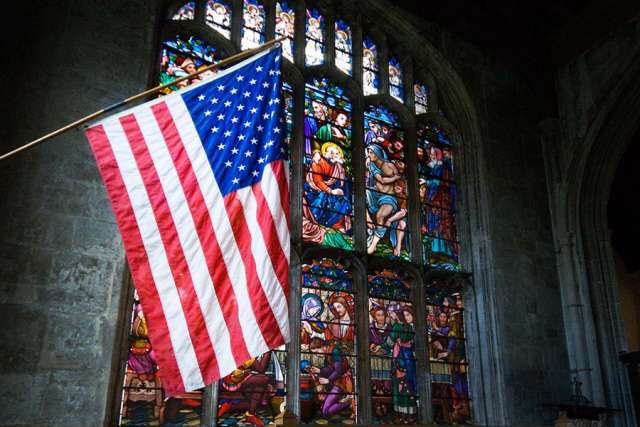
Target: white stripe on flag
x,y
265,269
271,192
188,236
224,233
160,269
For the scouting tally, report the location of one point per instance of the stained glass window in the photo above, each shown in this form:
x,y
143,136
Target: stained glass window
x,y
438,194
287,95
255,392
285,20
447,354
421,94
314,49
143,399
395,79
218,16
328,198
183,56
343,46
394,388
369,66
253,24
386,184
185,13
328,377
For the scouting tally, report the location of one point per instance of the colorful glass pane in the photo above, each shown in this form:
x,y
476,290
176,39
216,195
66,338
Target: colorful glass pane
x,y
386,184
287,95
328,197
369,66
327,344
185,13
447,354
394,392
395,79
182,57
254,394
343,46
218,16
143,398
285,20
421,94
438,196
314,49
253,26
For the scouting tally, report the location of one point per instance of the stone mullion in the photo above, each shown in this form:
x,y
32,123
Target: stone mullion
x,y
236,22
270,19
210,406
357,142
425,409
295,200
292,399
356,50
299,34
407,83
200,11
411,160
383,65
330,38
363,369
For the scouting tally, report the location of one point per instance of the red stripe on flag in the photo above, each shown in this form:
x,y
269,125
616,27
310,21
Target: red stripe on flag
x,y
138,259
270,235
281,178
175,255
259,302
205,230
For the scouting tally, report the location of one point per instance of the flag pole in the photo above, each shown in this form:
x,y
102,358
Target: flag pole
x,y
233,58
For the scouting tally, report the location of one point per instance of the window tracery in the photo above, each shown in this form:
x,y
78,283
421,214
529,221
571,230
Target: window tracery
x,y
357,353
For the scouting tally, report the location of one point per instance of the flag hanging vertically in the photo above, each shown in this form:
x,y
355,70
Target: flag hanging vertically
x,y
198,183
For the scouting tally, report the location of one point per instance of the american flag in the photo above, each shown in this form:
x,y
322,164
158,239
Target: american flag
x,y
198,183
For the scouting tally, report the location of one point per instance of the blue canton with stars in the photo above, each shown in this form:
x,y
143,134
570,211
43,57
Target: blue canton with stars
x,y
239,117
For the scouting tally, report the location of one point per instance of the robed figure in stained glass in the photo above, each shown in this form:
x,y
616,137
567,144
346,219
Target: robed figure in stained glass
x,y
404,376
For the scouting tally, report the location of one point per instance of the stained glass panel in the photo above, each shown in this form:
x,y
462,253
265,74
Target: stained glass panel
x,y
287,95
254,394
421,94
218,16
328,196
253,24
386,184
369,66
181,57
438,197
328,348
314,49
343,46
143,398
185,13
285,20
394,392
395,79
447,354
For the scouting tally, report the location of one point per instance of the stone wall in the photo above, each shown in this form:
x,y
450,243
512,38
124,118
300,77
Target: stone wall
x,y
61,259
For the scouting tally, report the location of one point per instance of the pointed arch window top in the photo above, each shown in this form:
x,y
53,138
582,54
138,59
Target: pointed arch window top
x,y
395,79
314,50
343,46
285,20
253,24
218,16
369,66
186,12
421,96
